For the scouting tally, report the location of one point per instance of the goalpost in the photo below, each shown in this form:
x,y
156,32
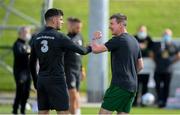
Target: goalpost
x,y
97,66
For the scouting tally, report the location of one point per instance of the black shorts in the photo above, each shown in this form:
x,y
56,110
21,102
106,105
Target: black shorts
x,y
73,80
52,94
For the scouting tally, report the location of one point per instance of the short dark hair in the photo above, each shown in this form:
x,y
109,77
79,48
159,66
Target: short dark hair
x,y
70,19
77,20
53,12
73,19
120,18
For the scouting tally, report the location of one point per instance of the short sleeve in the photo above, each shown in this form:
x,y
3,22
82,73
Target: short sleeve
x,y
139,54
112,44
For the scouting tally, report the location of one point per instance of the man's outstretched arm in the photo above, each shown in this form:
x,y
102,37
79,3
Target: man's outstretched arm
x,y
98,48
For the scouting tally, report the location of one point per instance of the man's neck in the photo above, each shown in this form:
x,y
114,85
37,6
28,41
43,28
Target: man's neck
x,y
22,39
50,25
121,32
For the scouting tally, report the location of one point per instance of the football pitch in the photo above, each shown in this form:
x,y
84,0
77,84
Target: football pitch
x,y
155,14
6,109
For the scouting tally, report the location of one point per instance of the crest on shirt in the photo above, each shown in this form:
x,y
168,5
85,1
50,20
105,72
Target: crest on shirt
x,y
73,83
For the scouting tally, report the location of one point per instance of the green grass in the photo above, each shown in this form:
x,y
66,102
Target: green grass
x,y
156,14
6,109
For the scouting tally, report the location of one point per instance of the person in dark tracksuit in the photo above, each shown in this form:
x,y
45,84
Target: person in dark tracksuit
x,y
21,70
48,48
145,43
73,65
165,56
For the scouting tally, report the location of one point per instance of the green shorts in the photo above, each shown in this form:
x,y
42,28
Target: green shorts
x,y
117,99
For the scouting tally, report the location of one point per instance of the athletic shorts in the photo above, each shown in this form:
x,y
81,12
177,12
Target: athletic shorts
x,y
52,94
73,80
117,99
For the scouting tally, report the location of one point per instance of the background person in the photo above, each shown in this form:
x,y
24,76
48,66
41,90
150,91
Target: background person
x,y
165,56
73,65
145,43
21,70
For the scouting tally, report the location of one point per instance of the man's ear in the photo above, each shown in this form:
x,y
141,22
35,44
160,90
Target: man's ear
x,y
53,20
121,24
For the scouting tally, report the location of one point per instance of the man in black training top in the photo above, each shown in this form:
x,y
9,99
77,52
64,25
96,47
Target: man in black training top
x,y
126,61
165,55
145,44
48,47
21,69
73,65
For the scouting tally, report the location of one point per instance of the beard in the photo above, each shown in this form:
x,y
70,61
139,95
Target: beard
x,y
58,28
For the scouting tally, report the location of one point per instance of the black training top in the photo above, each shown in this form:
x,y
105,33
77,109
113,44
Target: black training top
x,y
125,53
48,47
20,57
72,60
148,43
165,55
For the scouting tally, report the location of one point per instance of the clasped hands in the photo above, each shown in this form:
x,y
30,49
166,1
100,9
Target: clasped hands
x,y
96,35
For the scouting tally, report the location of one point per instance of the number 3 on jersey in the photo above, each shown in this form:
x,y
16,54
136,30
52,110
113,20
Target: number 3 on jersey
x,y
44,47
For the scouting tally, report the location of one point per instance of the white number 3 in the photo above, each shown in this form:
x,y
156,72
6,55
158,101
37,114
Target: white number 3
x,y
44,47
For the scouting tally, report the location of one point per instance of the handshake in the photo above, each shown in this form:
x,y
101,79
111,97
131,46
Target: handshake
x,y
97,35
97,48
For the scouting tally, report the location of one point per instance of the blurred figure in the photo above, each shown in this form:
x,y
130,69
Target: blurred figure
x,y
164,57
22,77
73,65
145,43
34,33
